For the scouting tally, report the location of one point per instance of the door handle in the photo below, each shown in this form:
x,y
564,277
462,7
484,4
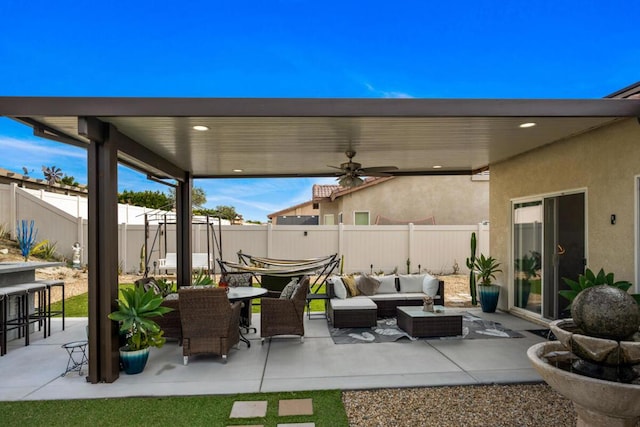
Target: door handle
x,y
561,250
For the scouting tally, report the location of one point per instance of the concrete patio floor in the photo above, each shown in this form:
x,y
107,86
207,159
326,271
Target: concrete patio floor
x,y
284,364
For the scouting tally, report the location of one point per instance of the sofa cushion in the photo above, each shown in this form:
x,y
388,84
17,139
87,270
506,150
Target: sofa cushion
x,y
416,296
358,303
430,285
411,282
388,297
387,285
368,285
289,289
339,289
350,283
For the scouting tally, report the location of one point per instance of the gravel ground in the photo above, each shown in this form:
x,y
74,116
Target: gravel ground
x,y
495,405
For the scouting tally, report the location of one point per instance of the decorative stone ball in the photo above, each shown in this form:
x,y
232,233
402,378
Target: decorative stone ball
x,y
606,312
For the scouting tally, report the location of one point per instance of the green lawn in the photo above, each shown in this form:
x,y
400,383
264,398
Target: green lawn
x,y
328,410
77,306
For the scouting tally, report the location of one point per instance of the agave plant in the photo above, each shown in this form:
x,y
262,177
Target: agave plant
x,y
136,308
201,279
588,279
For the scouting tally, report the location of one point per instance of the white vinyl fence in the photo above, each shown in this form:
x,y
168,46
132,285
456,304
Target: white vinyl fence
x,y
433,248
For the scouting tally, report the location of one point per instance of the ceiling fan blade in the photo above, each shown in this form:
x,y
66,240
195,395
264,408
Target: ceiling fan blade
x,y
366,171
334,167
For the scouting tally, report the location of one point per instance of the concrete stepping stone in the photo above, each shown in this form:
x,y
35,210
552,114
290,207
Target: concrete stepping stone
x,y
295,407
297,425
249,409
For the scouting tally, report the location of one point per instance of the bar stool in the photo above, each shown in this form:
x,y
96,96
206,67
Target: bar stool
x,y
51,313
39,314
21,321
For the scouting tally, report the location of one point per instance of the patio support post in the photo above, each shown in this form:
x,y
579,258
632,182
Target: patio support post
x,y
102,245
183,230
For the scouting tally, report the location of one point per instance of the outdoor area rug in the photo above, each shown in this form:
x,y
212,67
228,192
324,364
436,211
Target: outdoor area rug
x,y
387,330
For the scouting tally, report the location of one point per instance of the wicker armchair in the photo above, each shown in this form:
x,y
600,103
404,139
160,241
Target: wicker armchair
x,y
284,316
210,324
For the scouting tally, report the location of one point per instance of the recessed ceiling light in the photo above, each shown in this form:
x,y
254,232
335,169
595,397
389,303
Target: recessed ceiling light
x,y
437,167
238,170
200,128
527,125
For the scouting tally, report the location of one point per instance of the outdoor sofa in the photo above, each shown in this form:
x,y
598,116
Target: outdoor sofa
x,y
377,301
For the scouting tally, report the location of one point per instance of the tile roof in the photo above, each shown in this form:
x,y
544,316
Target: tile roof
x,y
324,191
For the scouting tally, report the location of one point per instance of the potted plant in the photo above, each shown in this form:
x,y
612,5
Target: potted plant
x,y
136,307
486,268
526,268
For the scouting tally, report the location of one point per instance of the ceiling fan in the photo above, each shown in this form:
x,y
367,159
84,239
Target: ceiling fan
x,y
352,171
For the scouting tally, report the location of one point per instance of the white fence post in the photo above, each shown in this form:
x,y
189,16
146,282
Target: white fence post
x,y
269,239
14,209
410,240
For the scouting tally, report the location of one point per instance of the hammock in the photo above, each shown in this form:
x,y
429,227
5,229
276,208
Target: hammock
x,y
321,267
275,262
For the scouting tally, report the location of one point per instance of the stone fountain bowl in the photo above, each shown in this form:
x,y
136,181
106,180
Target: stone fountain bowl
x,y
598,350
597,402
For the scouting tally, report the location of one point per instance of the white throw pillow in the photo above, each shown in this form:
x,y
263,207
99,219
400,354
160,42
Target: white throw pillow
x,y
339,289
411,282
387,285
430,285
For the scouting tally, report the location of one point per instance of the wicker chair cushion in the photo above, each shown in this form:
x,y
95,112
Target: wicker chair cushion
x,y
289,289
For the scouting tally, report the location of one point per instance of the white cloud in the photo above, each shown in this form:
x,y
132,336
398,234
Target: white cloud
x,y
386,94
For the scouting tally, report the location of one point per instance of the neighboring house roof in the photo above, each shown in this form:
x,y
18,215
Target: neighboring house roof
x,y
368,182
289,209
323,191
334,191
629,92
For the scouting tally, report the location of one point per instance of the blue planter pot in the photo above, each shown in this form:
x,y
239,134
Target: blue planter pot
x,y
133,362
489,297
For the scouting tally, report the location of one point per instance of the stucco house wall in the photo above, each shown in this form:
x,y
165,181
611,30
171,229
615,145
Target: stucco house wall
x,y
452,200
605,162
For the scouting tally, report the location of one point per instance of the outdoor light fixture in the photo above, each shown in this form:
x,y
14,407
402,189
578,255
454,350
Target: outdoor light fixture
x,y
238,170
350,181
200,128
527,125
437,167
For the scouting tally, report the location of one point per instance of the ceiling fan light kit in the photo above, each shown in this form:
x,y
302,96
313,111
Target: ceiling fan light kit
x,y
352,171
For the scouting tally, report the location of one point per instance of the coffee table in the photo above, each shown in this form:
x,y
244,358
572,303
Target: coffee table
x,y
419,323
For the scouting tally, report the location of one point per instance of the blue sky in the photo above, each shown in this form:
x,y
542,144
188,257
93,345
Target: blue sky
x,y
296,48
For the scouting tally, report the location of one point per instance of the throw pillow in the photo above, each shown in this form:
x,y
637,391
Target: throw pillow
x,y
242,279
411,282
289,289
368,285
387,285
430,285
350,283
339,290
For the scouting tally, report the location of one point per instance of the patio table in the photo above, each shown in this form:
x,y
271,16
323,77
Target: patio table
x,y
245,294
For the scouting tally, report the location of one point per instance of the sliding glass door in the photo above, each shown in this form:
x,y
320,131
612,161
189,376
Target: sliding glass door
x,y
548,245
527,252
